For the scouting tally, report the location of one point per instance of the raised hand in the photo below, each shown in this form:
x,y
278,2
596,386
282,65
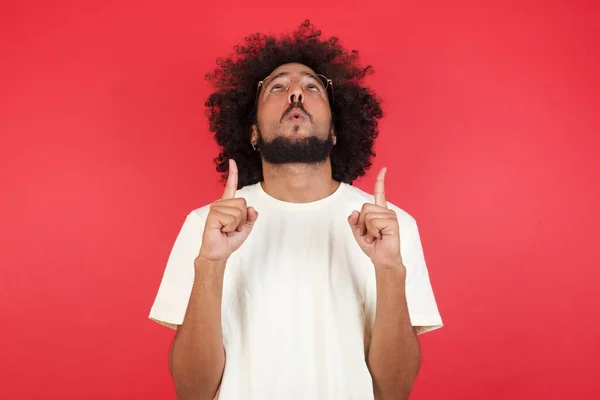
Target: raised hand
x,y
229,222
376,228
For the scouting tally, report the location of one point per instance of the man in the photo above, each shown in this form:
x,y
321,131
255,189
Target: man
x,y
273,288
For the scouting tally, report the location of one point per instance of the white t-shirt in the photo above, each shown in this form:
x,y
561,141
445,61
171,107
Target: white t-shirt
x,y
299,297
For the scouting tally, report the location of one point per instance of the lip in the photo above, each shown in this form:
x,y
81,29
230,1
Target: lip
x,y
297,116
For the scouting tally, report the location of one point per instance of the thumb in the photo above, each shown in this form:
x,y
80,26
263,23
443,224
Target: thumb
x,y
251,216
353,221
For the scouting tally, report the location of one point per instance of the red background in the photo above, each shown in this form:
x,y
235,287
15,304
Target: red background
x,y
491,139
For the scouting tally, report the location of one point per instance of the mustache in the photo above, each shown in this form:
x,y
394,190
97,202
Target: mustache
x,y
292,107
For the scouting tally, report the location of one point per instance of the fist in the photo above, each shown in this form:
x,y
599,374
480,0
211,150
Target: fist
x,y
229,222
376,230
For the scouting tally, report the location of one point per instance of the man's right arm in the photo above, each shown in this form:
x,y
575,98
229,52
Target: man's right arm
x,y
197,356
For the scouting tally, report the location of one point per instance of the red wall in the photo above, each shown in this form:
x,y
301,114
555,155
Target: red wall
x,y
491,139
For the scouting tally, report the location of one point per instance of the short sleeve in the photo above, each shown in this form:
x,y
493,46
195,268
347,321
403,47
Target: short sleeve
x,y
173,295
422,306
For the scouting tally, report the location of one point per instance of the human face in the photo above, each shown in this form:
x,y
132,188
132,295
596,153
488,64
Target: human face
x,y
293,117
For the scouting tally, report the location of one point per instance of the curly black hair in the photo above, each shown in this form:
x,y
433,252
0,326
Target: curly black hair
x,y
232,110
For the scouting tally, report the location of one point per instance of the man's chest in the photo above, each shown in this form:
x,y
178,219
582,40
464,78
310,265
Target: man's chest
x,y
294,274
301,255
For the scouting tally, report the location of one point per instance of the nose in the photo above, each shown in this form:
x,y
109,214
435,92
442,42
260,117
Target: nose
x,y
295,93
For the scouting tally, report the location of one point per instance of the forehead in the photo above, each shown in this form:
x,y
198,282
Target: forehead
x,y
292,69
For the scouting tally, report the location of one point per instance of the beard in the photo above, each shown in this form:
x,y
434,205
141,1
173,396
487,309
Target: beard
x,y
282,150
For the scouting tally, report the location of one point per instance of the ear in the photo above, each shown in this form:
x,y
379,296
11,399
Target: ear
x,y
254,134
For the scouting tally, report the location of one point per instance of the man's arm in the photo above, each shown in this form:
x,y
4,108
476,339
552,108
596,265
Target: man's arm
x,y
197,356
394,356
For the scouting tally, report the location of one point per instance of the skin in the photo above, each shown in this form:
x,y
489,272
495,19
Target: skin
x,y
197,357
295,183
394,355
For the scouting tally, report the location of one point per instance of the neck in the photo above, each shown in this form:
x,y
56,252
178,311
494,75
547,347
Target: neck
x,y
299,183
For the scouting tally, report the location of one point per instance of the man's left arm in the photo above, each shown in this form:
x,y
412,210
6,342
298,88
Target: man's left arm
x,y
401,281
394,355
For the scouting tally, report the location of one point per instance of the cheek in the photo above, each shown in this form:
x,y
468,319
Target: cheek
x,y
272,107
321,112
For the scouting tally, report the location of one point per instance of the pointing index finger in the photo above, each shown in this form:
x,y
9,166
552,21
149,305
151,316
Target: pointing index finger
x,y
232,181
379,192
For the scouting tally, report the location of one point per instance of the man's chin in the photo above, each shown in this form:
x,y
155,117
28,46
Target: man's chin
x,y
296,148
298,130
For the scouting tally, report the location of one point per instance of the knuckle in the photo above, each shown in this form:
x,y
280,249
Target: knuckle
x,y
238,213
236,202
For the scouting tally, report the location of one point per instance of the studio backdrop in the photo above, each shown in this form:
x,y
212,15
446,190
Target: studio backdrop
x,y
490,137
